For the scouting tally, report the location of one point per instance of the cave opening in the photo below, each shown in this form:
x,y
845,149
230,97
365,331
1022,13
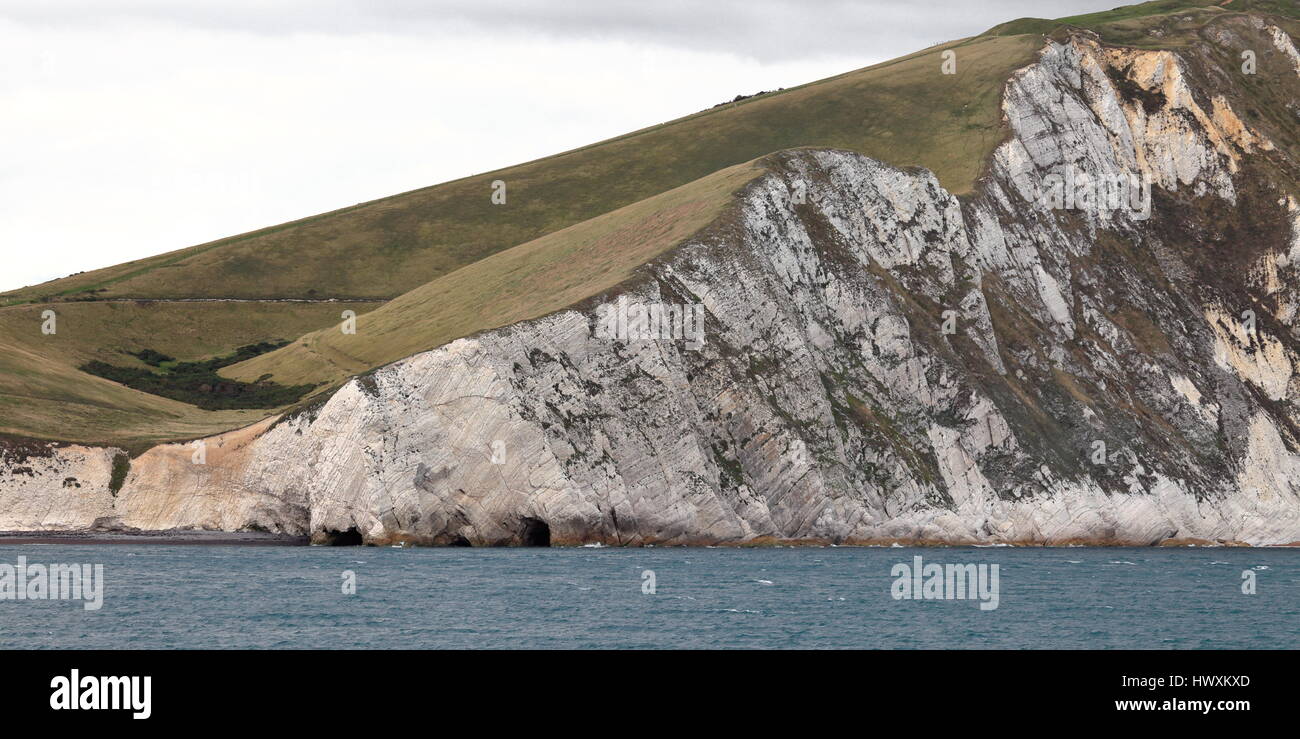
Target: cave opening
x,y
460,541
536,533
349,538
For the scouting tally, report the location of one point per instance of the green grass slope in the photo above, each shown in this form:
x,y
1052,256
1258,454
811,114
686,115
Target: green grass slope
x,y
44,395
443,262
904,111
530,280
1160,23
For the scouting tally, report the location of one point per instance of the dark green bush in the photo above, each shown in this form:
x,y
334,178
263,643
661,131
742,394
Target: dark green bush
x,y
198,383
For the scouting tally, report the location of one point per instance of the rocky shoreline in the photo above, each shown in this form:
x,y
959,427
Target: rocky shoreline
x,y
171,538
176,537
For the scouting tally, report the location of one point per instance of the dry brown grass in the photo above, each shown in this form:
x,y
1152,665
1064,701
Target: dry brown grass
x,y
530,280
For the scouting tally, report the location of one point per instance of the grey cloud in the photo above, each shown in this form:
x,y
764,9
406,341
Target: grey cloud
x,y
768,30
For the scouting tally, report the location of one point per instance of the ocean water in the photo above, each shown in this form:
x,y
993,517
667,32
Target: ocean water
x,y
292,597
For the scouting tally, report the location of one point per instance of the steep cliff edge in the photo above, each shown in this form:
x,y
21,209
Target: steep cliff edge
x,y
878,361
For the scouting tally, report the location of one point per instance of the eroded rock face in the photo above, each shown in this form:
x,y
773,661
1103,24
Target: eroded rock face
x,y
53,486
881,362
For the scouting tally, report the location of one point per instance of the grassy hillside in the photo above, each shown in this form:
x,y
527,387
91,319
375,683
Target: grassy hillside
x,y
573,225
1160,23
905,111
444,262
44,395
529,280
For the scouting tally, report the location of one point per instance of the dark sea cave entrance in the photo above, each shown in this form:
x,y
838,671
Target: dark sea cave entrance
x,y
536,533
349,538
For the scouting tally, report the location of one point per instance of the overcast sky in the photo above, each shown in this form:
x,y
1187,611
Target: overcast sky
x,y
133,127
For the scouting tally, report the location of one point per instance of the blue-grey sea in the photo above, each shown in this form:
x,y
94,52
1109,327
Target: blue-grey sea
x,y
182,597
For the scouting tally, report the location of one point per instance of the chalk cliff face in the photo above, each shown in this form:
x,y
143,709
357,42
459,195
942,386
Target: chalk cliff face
x,y
881,361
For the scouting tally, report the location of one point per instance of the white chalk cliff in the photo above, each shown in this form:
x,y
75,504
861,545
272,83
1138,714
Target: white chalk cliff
x,y
1097,379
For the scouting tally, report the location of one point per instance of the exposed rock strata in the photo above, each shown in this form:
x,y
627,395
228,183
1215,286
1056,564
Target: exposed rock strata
x,y
828,402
